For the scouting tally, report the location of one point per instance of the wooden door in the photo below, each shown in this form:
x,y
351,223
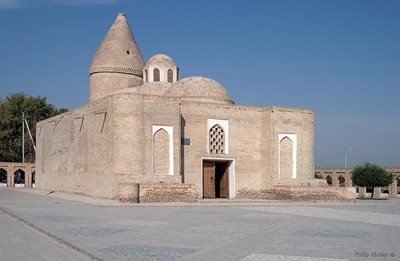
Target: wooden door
x,y
208,179
224,184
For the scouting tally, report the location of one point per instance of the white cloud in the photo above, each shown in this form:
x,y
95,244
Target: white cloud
x,y
82,2
9,4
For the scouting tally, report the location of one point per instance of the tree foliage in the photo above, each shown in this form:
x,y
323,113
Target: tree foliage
x,y
371,175
11,109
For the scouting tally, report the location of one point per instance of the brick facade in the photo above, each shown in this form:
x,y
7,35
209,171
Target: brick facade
x,y
132,132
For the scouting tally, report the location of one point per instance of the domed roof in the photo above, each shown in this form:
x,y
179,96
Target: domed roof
x,y
154,88
200,89
150,88
161,60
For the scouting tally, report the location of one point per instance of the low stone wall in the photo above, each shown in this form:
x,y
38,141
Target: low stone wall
x,y
176,192
311,194
254,194
128,192
308,194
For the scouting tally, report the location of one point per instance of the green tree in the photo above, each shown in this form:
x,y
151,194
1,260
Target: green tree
x,y
11,109
371,175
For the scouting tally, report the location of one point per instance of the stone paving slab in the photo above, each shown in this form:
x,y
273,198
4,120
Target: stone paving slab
x,y
332,213
265,257
202,232
19,242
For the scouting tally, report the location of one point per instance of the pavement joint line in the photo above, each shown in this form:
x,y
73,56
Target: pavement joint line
x,y
50,235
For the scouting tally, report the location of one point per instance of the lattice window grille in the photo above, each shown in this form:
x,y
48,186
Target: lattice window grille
x,y
217,140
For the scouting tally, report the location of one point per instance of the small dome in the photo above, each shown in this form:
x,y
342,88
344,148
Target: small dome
x,y
200,89
161,60
160,68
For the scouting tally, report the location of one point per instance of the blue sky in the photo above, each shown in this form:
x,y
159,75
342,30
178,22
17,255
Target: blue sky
x,y
340,58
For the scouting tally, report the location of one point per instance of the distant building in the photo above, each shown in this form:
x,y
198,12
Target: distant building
x,y
341,177
17,174
146,131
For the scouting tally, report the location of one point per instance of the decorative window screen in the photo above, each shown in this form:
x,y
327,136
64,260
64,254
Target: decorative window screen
x,y
217,140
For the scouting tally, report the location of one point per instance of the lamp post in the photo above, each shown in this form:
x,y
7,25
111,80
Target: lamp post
x,y
345,157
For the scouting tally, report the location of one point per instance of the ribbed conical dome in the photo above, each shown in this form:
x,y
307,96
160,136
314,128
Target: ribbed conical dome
x,y
118,53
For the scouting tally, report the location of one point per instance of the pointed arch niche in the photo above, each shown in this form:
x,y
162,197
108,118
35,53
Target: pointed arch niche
x,y
163,150
329,180
287,155
221,126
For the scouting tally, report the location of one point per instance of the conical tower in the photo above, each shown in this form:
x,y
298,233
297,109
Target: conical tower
x,y
118,62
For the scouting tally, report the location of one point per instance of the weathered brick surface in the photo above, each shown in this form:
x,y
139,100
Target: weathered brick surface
x,y
313,194
118,62
93,149
310,194
107,145
362,191
393,188
254,194
128,192
167,193
377,192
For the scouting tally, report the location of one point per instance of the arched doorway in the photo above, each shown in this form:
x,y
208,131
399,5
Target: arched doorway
x,y
33,178
329,180
19,178
216,179
398,185
342,181
3,178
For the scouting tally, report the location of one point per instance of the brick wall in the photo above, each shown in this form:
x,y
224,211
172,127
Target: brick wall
x,y
307,194
313,194
167,193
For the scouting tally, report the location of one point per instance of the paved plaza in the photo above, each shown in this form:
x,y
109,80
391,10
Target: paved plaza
x,y
41,226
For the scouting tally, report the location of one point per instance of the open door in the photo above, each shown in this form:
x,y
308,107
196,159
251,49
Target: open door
x,y
208,179
216,179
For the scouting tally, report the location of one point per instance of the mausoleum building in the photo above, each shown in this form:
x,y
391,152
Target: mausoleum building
x,y
148,134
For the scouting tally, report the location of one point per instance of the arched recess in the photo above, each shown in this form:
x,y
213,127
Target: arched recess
x,y
342,181
398,184
19,178
217,139
170,75
287,155
3,177
163,150
146,75
329,180
33,177
156,75
286,161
